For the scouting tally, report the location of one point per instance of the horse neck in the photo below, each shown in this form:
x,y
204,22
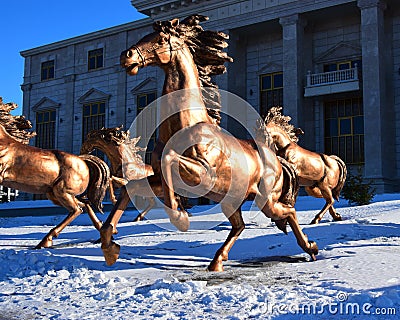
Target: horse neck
x,y
112,151
183,98
5,136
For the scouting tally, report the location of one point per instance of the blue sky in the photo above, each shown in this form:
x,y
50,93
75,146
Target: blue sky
x,y
27,24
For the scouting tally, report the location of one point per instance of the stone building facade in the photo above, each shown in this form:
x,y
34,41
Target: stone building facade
x,y
333,65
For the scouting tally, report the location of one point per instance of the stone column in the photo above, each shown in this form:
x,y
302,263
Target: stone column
x,y
293,83
378,158
237,82
67,128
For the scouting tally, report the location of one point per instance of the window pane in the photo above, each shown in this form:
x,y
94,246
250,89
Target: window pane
x,y
344,65
345,126
102,108
348,107
341,109
330,67
335,146
331,128
142,101
266,83
349,149
151,97
99,61
278,80
358,125
95,108
86,110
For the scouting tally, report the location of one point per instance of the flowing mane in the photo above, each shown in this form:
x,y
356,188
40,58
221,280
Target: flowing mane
x,y
275,117
115,137
16,126
207,50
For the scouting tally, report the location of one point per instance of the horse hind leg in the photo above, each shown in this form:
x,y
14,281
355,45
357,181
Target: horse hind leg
x,y
326,193
69,202
238,226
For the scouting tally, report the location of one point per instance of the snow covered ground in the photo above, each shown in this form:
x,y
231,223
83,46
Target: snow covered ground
x,y
162,273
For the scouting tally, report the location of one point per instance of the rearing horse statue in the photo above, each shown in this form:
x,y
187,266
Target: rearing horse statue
x,y
197,152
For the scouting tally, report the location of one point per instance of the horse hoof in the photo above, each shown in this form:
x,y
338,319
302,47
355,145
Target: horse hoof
x,y
312,250
179,219
338,218
111,253
215,267
314,221
45,243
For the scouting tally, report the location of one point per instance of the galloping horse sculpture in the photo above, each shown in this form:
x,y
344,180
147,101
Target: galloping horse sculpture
x,y
118,147
216,163
124,157
68,180
322,176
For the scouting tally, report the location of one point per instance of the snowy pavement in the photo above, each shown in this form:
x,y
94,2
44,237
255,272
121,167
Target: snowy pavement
x,y
162,273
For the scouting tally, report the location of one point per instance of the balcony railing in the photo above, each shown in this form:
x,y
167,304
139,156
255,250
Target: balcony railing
x,y
332,82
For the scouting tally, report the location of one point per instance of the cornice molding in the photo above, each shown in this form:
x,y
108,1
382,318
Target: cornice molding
x,y
365,4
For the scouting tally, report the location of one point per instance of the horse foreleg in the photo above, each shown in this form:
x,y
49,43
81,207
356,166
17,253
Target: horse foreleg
x,y
238,226
142,187
150,206
309,247
110,248
171,161
113,198
115,181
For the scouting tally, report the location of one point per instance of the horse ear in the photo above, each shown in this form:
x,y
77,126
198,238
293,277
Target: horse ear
x,y
174,23
298,132
157,26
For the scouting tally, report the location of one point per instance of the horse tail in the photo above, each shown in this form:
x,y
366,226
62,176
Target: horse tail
x,y
342,177
98,181
291,185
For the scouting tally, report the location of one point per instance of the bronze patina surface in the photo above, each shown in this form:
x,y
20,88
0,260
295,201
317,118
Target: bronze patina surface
x,y
218,164
62,176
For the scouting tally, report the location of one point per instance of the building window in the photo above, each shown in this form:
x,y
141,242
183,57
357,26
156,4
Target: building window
x,y
342,65
271,91
45,129
142,100
47,70
95,59
94,117
344,129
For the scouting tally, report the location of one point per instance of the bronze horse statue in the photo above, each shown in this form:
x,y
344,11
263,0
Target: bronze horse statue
x,y
126,162
219,166
71,181
322,176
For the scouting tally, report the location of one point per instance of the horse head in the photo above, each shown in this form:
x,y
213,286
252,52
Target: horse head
x,y
155,48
